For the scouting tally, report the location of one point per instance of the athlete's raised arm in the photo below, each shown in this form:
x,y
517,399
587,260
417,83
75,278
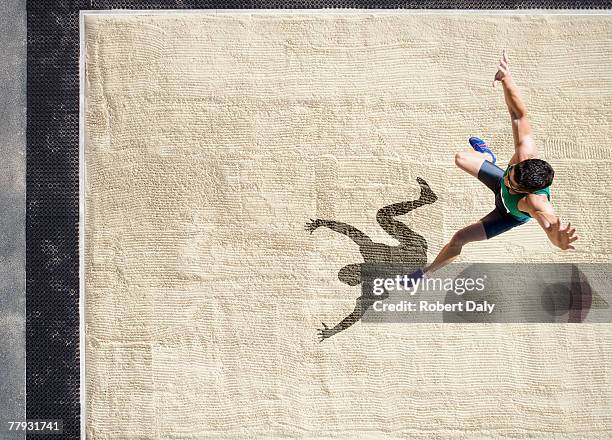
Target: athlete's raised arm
x,y
524,146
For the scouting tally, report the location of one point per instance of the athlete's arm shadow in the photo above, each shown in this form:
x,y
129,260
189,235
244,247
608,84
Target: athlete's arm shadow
x,y
361,307
358,237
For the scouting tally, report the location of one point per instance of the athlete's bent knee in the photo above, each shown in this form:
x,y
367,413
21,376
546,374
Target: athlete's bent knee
x,y
460,159
383,215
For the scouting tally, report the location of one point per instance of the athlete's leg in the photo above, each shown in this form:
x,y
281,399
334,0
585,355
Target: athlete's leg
x,y
471,161
491,225
482,168
473,232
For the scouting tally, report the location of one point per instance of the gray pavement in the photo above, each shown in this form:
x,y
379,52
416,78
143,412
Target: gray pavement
x,y
12,213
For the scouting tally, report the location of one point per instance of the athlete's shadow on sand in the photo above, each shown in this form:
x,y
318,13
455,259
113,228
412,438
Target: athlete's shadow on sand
x,y
409,255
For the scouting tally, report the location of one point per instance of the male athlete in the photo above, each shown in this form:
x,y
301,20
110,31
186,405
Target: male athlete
x,y
521,191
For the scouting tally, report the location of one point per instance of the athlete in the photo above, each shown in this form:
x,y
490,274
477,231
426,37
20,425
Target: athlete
x,y
522,191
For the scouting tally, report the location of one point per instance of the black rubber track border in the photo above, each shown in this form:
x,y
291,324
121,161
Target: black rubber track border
x,y
52,213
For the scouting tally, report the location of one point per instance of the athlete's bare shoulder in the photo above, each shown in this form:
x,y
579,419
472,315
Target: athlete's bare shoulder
x,y
535,202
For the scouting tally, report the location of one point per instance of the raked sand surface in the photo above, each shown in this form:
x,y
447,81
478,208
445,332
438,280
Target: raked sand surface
x,y
212,139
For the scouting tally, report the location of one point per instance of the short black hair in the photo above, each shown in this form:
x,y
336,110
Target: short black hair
x,y
533,174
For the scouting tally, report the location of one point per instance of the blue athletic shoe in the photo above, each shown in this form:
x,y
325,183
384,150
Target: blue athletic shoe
x,y
480,146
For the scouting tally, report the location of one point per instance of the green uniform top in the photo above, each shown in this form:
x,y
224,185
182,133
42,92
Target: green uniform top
x,y
510,201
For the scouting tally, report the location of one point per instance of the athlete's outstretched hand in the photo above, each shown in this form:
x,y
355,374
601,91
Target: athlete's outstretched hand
x,y
561,237
503,70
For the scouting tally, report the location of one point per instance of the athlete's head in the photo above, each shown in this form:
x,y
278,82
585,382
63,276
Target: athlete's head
x,y
350,274
532,174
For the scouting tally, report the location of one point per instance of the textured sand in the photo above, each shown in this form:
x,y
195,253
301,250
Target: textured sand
x,y
212,139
